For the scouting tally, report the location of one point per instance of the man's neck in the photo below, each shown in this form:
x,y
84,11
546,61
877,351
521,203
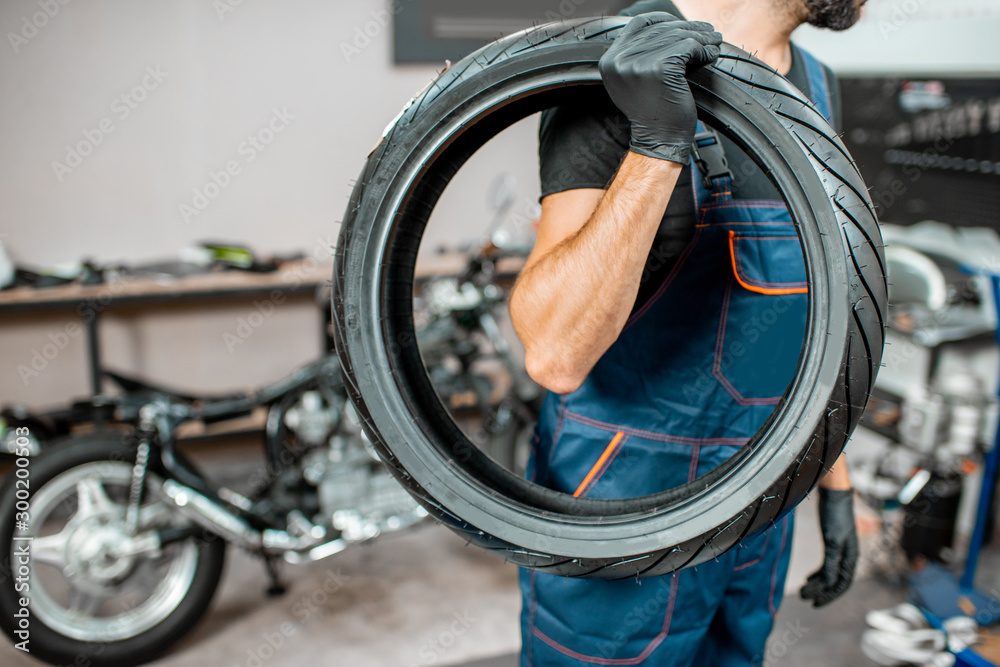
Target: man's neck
x,y
762,27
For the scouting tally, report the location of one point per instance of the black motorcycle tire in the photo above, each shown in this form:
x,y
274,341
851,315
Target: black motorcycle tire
x,y
56,648
470,102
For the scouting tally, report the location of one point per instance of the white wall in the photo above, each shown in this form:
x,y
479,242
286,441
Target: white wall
x,y
223,77
914,37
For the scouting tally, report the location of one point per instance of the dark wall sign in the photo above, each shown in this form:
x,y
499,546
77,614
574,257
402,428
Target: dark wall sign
x,y
439,30
928,149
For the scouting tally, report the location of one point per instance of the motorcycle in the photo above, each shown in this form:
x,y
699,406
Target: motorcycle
x,y
126,538
461,322
116,541
467,342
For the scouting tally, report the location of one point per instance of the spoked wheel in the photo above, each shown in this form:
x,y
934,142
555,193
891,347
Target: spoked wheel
x,y
96,588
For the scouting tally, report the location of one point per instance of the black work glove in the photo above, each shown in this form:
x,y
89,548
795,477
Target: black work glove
x,y
840,556
644,72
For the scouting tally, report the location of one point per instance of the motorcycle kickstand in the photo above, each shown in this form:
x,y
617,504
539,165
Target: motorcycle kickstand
x,y
277,587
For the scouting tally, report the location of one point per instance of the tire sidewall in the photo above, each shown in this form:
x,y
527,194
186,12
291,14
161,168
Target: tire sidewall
x,y
445,490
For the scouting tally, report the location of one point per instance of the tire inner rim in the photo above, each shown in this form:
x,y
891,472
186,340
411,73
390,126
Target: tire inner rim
x,y
454,141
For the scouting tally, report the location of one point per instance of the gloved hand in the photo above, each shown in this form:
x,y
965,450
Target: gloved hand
x,y
644,72
840,538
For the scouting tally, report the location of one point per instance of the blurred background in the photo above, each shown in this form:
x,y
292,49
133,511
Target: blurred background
x,y
143,140
336,73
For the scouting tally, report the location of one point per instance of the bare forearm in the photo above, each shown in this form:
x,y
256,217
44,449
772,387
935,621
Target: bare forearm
x,y
570,304
837,478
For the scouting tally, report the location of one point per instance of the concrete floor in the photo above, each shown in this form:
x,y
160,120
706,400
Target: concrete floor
x,y
422,597
394,603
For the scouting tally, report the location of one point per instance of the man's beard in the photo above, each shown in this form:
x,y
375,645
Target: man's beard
x,y
832,14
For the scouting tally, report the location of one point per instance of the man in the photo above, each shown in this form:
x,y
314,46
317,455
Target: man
x,y
664,309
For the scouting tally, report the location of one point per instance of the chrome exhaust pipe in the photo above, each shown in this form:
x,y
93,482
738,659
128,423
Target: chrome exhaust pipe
x,y
210,515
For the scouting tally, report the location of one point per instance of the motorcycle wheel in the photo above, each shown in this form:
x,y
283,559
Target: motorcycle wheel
x,y
404,176
88,604
510,428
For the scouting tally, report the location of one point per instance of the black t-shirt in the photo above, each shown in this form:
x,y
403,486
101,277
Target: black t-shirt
x,y
581,146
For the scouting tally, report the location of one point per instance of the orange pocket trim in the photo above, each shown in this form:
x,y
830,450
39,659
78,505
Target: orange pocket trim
x,y
600,462
773,291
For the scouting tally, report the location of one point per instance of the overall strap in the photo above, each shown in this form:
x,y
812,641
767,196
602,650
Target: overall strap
x,y
710,173
819,84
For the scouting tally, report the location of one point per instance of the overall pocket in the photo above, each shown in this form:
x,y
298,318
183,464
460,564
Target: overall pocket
x,y
763,319
596,459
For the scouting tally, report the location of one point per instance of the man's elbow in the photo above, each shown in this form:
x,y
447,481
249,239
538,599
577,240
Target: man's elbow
x,y
548,371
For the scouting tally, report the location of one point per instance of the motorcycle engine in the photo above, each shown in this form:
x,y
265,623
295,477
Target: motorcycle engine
x,y
357,494
943,420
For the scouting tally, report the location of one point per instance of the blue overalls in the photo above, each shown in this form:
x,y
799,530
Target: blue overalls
x,y
695,373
